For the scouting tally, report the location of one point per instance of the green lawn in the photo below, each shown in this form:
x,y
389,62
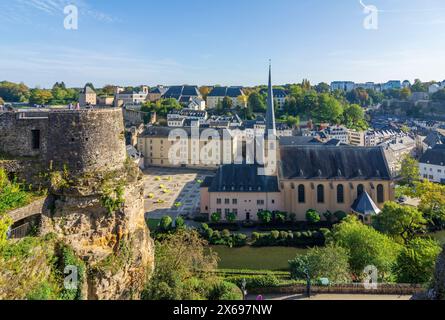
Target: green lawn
x,y
250,258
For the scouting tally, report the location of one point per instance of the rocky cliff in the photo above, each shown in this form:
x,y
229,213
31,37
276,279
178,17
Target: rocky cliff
x,y
101,216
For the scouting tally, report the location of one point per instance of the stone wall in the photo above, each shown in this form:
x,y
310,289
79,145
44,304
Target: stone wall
x,y
86,140
81,140
34,208
16,133
116,246
382,289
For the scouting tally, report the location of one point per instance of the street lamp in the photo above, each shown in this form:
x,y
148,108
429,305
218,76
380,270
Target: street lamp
x,y
308,282
243,289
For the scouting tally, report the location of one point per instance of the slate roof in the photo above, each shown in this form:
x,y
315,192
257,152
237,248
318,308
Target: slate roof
x,y
435,156
434,138
298,141
277,93
333,162
364,205
182,92
241,178
232,92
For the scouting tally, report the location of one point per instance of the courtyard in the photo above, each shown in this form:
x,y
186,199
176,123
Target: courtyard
x,y
172,192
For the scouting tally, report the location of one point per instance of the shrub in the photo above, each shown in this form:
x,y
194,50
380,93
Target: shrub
x,y
216,217
313,216
226,233
255,236
293,217
329,216
265,216
224,290
275,235
340,215
231,217
166,223
179,223
255,281
280,217
416,262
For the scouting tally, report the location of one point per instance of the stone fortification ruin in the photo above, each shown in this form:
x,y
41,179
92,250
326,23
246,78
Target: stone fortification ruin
x,y
96,195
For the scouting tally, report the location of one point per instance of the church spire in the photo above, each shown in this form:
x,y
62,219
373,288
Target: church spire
x,y
270,114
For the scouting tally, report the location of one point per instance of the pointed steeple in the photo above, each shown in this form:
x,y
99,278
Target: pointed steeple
x,y
270,114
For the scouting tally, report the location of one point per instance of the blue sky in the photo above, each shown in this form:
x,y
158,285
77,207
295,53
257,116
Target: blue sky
x,y
225,42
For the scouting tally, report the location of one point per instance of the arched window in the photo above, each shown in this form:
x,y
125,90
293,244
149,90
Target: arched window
x,y
301,194
340,194
320,194
360,190
380,194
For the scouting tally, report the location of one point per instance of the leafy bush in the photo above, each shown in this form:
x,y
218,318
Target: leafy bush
x,y
265,216
166,224
12,194
216,217
224,291
313,216
179,223
416,262
340,215
280,217
329,262
231,217
254,281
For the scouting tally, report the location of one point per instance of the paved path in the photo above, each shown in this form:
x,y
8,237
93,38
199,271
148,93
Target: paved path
x,y
164,188
334,297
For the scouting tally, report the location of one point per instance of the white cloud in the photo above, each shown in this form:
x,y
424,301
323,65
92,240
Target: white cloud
x,y
25,11
45,65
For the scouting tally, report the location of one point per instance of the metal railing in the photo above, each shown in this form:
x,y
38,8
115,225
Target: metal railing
x,y
20,232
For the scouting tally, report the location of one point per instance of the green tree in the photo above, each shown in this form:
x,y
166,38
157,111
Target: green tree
x,y
216,217
330,262
40,96
354,117
328,109
323,87
432,201
410,171
313,216
2,102
13,92
231,217
108,90
366,246
166,223
265,216
183,268
292,121
418,86
257,102
416,262
179,223
402,223
227,104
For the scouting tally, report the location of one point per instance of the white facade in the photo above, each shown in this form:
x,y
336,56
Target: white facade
x,y
342,86
340,133
197,104
433,173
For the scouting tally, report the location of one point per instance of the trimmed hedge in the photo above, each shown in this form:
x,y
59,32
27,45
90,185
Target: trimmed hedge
x,y
254,281
288,238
